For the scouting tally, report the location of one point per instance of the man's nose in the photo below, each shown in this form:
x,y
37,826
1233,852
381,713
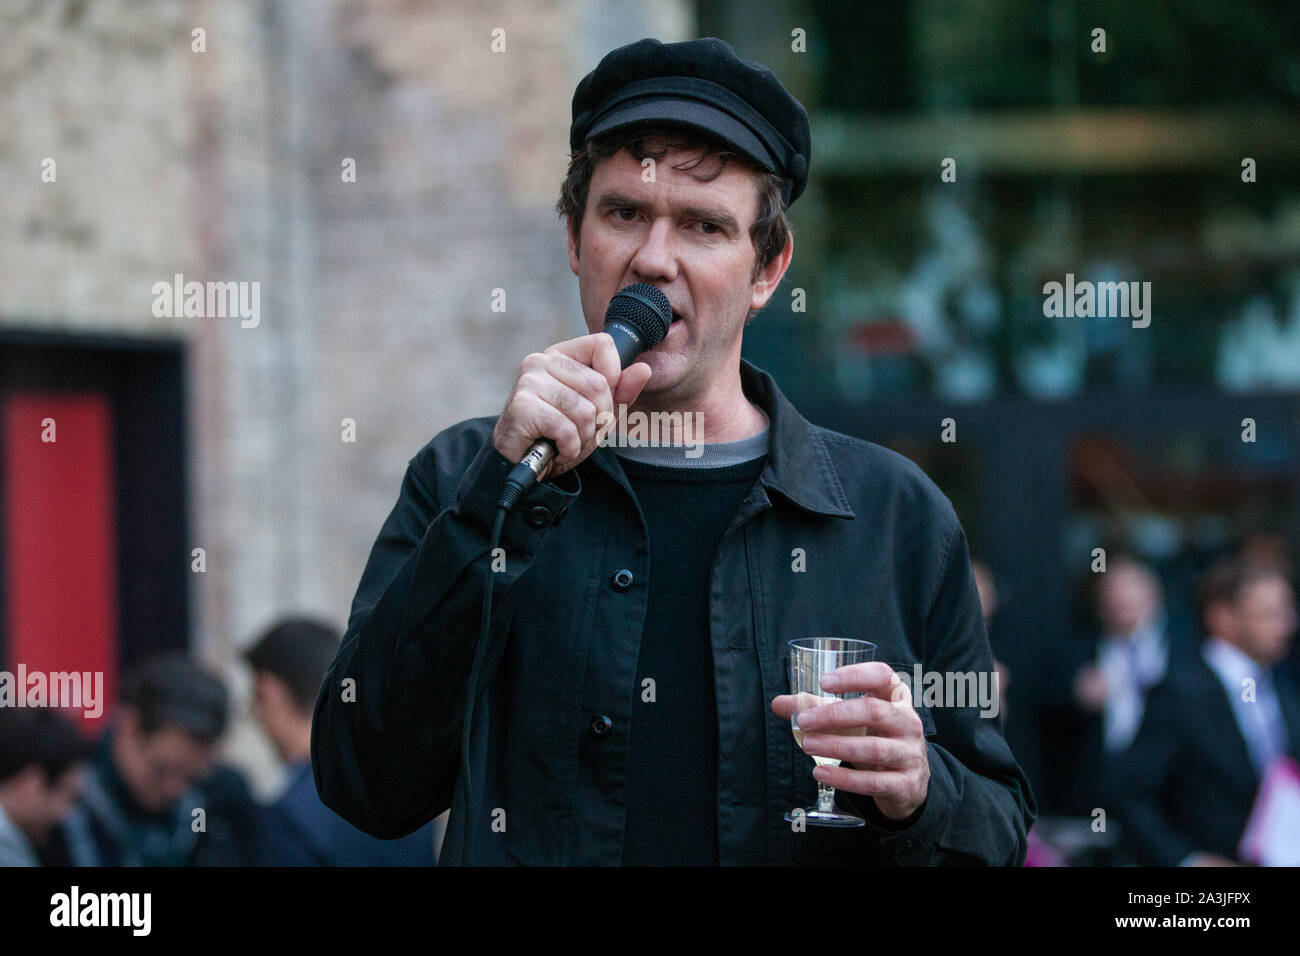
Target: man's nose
x,y
657,258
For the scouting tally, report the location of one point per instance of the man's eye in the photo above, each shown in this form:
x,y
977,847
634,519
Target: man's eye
x,y
710,228
622,209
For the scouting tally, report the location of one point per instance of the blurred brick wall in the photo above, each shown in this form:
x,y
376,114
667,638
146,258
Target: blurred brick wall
x,y
375,295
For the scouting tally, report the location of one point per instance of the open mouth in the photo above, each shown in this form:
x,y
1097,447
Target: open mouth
x,y
676,317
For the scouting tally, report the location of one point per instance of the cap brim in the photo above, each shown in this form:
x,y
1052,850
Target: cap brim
x,y
689,113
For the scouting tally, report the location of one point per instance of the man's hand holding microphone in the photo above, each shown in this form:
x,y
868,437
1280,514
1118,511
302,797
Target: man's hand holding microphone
x,y
550,421
561,393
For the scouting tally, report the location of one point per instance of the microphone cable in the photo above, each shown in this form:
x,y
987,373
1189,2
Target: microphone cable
x,y
480,652
638,318
521,477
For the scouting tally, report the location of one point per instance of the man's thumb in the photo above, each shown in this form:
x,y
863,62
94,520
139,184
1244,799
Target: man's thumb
x,y
630,383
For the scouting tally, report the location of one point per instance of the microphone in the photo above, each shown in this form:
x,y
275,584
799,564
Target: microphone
x,y
637,318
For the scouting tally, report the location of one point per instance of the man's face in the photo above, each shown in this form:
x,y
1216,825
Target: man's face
x,y
1128,598
60,793
274,709
1265,619
691,240
159,767
37,802
987,589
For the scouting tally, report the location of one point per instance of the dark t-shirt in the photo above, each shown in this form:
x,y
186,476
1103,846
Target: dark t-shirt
x,y
673,751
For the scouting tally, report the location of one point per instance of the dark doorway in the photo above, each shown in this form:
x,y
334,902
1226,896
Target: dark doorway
x,y
94,557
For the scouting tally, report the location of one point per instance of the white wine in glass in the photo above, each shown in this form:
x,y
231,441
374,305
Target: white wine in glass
x,y
810,658
818,758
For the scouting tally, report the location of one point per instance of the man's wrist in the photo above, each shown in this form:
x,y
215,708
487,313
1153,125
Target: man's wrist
x,y
878,818
541,508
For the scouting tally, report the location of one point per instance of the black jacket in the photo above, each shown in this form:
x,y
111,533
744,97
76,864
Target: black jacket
x,y
886,560
1186,784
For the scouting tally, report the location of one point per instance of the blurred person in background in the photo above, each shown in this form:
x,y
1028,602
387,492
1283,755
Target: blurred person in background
x,y
153,771
41,756
1267,548
1103,684
986,584
1132,651
1038,853
289,663
1188,782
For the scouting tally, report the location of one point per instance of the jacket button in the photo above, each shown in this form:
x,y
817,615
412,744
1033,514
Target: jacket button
x,y
539,516
622,580
601,726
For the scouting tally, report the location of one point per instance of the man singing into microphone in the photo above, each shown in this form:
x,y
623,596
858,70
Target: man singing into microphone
x,y
636,709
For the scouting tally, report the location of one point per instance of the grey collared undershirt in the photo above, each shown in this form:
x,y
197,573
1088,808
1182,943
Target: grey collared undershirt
x,y
710,454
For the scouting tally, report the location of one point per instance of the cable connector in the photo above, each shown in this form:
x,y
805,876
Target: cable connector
x,y
525,474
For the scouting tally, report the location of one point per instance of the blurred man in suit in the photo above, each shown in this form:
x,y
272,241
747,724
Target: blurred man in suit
x,y
1095,710
289,662
1132,652
1186,786
41,752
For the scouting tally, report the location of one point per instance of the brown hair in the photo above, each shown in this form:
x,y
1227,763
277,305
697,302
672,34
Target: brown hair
x,y
1226,581
770,231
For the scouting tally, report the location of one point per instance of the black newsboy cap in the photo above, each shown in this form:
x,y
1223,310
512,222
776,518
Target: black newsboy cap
x,y
701,84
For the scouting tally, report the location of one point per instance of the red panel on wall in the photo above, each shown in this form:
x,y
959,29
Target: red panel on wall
x,y
60,539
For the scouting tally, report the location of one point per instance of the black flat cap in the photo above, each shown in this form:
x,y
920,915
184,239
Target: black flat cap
x,y
704,85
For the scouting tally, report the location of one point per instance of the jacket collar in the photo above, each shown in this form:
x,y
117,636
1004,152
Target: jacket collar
x,y
798,463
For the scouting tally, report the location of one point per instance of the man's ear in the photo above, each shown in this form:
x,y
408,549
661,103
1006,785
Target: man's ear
x,y
573,246
771,275
275,691
129,720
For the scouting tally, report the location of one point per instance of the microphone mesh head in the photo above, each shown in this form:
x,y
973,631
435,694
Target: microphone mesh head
x,y
645,308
